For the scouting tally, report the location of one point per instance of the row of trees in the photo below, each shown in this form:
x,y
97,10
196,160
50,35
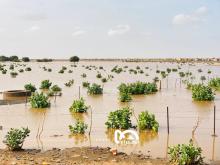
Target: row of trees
x,y
27,59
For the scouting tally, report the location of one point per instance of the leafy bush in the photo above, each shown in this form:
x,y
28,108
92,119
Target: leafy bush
x,y
25,59
21,70
69,83
45,84
83,75
61,71
119,119
39,100
28,69
99,75
147,121
56,88
202,93
4,71
202,78
13,74
186,154
79,106
138,88
85,84
95,89
125,97
79,127
30,87
215,83
15,138
182,74
104,80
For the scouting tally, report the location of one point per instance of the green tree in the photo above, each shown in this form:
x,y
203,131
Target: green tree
x,y
74,59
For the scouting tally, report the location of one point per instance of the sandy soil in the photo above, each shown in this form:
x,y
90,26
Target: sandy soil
x,y
86,155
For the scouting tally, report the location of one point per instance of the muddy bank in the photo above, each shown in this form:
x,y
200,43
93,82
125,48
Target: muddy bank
x,y
77,156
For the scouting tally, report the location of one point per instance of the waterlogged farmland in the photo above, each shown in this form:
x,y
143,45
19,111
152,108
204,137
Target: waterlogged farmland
x,y
53,123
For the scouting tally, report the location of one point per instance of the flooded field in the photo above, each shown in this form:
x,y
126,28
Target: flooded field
x,y
184,112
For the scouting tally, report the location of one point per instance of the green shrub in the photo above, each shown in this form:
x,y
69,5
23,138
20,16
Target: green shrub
x,y
186,154
202,78
83,75
61,71
125,97
117,69
15,138
202,93
138,88
215,83
85,84
69,83
99,75
79,106
95,89
4,71
199,70
25,59
147,121
39,100
45,84
104,80
13,74
28,69
79,127
30,87
119,119
189,85
182,74
56,88
11,67
21,70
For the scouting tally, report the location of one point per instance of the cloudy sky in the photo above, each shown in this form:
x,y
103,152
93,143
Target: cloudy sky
x,y
110,28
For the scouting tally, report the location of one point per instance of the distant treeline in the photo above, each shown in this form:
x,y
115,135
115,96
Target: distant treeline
x,y
178,60
76,59
11,58
44,60
24,59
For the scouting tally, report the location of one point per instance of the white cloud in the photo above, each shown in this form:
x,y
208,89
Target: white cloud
x,y
118,30
195,17
78,31
33,28
202,10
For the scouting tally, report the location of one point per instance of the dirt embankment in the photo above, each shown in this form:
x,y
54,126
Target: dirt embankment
x,y
79,156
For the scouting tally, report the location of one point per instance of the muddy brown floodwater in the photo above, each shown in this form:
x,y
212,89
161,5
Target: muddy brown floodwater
x,y
183,111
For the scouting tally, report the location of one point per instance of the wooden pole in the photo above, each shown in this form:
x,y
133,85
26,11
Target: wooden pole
x,y
79,92
160,84
214,134
25,98
90,129
168,123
